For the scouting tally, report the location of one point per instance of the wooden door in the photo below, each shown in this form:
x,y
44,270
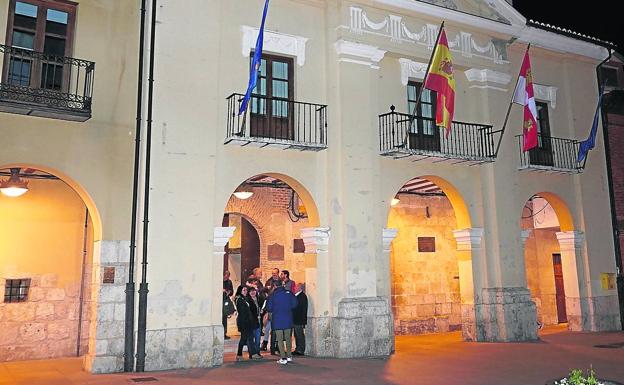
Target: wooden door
x,y
250,249
559,289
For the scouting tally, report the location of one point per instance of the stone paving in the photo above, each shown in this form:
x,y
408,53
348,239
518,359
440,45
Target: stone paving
x,y
441,359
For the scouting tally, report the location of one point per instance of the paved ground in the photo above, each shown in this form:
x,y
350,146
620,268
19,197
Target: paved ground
x,y
432,360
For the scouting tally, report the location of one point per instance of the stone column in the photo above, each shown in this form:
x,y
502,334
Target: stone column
x,y
318,335
570,247
387,236
469,260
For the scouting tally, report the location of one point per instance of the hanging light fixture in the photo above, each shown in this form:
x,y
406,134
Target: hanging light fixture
x,y
243,193
395,201
14,186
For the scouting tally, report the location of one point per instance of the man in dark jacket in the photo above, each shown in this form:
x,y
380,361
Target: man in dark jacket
x,y
300,320
281,304
228,290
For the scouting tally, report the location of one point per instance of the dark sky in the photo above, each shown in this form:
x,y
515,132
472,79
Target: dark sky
x,y
599,19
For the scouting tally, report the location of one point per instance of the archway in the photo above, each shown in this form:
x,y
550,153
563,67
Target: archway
x,y
48,238
432,283
277,208
550,268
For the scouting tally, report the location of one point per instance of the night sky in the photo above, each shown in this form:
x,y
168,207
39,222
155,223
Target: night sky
x,y
599,19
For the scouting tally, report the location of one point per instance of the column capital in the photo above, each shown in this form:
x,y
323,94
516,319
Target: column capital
x,y
222,236
387,236
468,239
570,240
525,234
315,239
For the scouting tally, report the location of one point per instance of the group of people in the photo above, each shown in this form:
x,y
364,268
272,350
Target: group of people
x,y
278,308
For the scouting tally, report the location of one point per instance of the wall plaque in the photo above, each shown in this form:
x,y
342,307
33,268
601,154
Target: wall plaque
x,y
109,275
426,244
275,252
298,245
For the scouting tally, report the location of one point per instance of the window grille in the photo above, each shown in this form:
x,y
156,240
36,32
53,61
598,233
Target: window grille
x,y
16,290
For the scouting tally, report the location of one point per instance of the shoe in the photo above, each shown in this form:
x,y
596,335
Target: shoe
x,y
256,357
227,338
288,359
282,361
264,346
296,353
239,358
274,353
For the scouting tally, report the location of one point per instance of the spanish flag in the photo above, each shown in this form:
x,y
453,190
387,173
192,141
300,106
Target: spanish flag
x,y
441,79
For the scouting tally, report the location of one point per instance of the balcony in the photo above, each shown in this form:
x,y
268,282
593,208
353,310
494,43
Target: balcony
x,y
555,155
466,142
50,86
277,123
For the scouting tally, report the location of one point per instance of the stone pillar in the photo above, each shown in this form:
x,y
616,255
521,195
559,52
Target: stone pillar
x,y
318,330
107,307
387,236
570,247
469,260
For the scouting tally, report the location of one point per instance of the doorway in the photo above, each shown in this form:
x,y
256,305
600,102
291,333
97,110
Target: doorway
x,y
559,289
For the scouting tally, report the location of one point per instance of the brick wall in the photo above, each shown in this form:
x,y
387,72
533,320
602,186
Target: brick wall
x,y
267,211
616,145
425,286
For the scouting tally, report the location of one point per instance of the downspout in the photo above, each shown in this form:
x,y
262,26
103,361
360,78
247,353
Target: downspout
x,y
82,280
130,286
142,327
614,224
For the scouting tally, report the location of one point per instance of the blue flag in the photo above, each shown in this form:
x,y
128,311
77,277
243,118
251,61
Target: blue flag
x,y
590,142
255,63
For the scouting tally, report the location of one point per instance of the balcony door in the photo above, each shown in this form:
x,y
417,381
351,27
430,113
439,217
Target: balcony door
x,y
423,133
542,154
39,33
272,99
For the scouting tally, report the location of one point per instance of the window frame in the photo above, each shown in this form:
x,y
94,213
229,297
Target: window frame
x,y
543,125
419,124
270,59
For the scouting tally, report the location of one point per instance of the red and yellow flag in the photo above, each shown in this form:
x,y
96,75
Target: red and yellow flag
x,y
441,79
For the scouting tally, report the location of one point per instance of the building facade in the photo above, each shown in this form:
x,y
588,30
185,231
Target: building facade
x,y
393,226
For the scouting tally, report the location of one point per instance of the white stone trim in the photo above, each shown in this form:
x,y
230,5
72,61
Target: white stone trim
x,y
412,69
547,93
222,236
315,239
559,43
570,240
468,239
488,79
359,53
277,42
387,236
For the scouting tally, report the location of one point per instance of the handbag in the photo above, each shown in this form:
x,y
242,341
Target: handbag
x,y
228,306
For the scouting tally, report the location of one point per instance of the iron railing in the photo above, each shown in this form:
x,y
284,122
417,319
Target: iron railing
x,y
465,141
273,120
52,81
551,154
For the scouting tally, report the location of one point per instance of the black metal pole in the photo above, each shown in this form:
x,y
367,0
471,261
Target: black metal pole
x,y
142,327
130,286
614,222
82,279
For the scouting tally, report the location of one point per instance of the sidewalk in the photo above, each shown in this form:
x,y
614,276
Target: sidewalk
x,y
441,359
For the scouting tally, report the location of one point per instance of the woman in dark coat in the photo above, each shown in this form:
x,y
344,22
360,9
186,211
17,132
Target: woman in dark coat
x,y
246,325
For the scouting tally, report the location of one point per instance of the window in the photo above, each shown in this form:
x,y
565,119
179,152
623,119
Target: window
x,y
543,126
43,26
609,76
426,109
16,290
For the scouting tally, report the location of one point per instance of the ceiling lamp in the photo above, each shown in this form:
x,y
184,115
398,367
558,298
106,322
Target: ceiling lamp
x,y
14,186
243,194
394,202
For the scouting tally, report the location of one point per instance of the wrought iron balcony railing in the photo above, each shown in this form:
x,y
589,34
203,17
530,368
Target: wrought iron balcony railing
x,y
39,84
552,155
277,122
466,142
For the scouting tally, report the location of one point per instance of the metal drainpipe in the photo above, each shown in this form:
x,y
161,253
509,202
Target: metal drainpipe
x,y
142,327
82,279
130,286
614,224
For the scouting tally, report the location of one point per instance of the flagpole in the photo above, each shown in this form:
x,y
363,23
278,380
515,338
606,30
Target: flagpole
x,y
414,111
502,130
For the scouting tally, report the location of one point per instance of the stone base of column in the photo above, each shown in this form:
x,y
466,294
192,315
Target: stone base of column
x,y
183,348
363,328
469,323
506,315
593,313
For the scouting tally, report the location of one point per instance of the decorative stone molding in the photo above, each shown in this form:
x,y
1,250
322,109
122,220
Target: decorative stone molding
x,y
315,239
222,236
412,69
394,28
277,42
487,79
388,236
358,53
524,235
547,93
570,240
468,239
